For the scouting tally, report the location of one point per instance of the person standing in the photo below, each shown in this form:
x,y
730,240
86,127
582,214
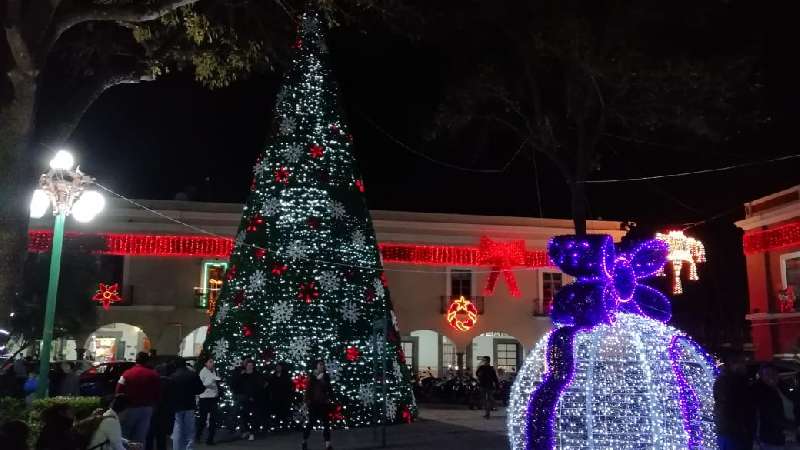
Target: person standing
x,y
161,420
249,392
734,411
70,385
771,412
487,380
142,385
318,400
57,432
108,435
208,401
185,386
280,393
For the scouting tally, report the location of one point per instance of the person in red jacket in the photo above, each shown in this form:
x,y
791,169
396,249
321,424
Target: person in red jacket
x,y
142,385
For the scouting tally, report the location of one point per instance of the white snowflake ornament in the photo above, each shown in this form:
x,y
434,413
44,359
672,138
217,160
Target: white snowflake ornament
x,y
240,237
391,410
282,312
334,368
259,169
287,126
358,238
293,153
337,209
297,250
366,394
328,280
398,371
298,349
220,348
257,281
300,414
350,312
311,24
222,312
270,206
380,291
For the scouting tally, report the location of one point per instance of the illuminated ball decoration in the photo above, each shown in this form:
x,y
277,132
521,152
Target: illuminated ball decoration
x,y
462,314
612,374
682,250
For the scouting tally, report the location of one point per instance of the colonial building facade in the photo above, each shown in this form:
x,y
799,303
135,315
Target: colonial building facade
x,y
772,249
167,260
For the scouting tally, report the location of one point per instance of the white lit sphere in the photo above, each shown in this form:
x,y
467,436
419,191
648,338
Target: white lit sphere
x,y
624,393
40,202
63,160
88,205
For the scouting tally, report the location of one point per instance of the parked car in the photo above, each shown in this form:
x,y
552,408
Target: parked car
x,y
101,380
80,366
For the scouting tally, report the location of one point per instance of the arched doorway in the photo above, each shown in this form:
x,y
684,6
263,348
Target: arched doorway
x,y
192,344
504,350
430,352
116,342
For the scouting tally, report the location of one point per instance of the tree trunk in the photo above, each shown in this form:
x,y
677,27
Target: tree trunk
x,y
578,191
19,179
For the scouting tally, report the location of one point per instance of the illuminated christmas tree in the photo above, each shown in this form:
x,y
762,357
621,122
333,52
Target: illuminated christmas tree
x,y
611,374
305,280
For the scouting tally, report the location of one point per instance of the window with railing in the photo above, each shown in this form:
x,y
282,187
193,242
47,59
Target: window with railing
x,y
506,355
460,283
551,283
449,357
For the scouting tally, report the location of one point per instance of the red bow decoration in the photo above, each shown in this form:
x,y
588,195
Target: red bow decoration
x,y
501,256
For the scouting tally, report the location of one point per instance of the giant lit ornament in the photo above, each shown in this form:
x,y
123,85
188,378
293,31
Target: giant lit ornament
x,y
462,314
612,375
682,250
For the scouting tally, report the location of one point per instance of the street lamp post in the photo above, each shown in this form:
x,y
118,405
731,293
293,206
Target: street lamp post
x,y
66,191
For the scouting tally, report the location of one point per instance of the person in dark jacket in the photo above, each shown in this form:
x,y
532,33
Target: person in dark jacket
x,y
14,435
770,415
70,383
185,386
250,387
318,400
488,382
161,420
57,432
734,409
280,393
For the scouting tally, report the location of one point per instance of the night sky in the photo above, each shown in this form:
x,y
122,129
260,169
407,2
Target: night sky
x,y
154,140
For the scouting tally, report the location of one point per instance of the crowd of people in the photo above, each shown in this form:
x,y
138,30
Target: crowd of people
x,y
754,413
20,379
152,403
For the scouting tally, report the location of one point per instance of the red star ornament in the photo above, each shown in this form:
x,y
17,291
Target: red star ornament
x,y
282,175
300,382
352,353
308,291
107,294
259,252
279,269
336,413
255,222
316,151
247,330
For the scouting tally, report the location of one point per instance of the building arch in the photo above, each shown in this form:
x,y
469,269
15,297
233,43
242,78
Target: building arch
x,y
504,349
192,343
117,341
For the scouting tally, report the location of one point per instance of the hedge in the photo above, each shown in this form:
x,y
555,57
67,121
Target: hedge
x,y
16,409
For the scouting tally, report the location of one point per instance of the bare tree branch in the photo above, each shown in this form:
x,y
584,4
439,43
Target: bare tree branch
x,y
135,13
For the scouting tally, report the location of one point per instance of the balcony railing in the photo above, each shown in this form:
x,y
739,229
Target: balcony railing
x,y
478,301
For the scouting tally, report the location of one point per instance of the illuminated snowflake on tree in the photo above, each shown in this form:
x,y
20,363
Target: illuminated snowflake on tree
x,y
329,280
282,312
366,393
391,410
297,250
287,125
240,237
220,348
257,280
270,206
337,210
298,349
334,368
398,371
293,153
379,289
350,312
222,312
358,238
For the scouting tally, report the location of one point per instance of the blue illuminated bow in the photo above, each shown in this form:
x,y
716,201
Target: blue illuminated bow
x,y
608,280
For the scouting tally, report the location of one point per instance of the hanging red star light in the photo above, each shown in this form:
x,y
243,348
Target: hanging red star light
x,y
107,294
316,151
255,222
279,269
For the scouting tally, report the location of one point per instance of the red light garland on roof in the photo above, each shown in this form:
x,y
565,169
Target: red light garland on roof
x,y
783,236
220,247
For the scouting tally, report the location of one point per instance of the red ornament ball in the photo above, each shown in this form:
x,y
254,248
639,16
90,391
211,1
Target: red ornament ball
x,y
301,382
231,273
282,175
313,222
316,151
247,330
336,413
259,252
407,416
279,269
360,185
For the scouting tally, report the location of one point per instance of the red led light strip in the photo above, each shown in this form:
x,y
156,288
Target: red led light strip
x,y
220,247
784,236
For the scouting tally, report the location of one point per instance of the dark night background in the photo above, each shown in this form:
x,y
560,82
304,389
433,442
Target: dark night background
x,y
155,140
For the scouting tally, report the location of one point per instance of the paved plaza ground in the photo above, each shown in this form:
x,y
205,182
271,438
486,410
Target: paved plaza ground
x,y
437,428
